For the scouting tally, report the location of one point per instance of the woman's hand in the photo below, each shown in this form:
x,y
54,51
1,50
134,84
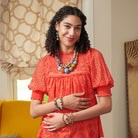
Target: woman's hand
x,y
74,102
54,121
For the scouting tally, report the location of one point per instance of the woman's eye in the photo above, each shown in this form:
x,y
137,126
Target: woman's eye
x,y
67,26
78,28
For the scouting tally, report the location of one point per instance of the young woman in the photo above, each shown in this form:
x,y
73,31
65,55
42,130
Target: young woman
x,y
71,75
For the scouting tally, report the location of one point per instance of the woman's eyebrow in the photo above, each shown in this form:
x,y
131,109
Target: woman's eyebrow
x,y
71,24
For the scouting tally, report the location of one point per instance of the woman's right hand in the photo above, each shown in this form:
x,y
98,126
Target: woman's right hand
x,y
74,102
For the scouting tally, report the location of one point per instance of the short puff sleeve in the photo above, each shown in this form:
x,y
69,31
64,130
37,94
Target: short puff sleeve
x,y
38,83
102,80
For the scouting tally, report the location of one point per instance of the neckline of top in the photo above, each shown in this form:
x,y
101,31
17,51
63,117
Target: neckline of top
x,y
65,53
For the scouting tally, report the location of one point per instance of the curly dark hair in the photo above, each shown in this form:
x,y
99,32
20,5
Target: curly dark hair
x,y
52,45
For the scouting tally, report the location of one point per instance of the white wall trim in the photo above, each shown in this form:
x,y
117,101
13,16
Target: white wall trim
x,y
87,8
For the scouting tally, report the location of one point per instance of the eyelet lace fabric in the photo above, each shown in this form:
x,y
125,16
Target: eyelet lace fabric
x,y
91,76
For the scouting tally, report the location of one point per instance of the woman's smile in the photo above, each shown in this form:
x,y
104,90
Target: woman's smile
x,y
70,39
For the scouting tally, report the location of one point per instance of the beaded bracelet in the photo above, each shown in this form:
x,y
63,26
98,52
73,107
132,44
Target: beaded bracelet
x,y
61,103
63,119
69,118
55,101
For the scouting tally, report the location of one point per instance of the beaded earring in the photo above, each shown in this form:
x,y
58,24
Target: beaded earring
x,y
57,36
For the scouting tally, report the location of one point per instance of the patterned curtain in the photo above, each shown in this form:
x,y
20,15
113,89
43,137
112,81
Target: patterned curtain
x,y
23,25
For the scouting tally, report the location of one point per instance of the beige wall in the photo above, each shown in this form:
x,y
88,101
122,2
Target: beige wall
x,y
115,21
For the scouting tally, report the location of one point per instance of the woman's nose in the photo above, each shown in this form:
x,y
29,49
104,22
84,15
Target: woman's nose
x,y
72,32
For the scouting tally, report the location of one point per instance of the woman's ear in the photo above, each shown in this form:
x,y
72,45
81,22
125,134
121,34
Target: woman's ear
x,y
56,26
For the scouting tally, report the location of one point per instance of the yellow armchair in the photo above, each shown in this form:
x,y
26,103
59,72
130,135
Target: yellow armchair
x,y
15,119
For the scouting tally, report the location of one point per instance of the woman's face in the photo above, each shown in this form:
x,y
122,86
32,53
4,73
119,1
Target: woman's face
x,y
69,30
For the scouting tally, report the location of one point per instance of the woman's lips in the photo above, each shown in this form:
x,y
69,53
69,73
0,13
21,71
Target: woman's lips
x,y
70,39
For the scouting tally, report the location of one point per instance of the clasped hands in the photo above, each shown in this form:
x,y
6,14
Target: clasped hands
x,y
73,102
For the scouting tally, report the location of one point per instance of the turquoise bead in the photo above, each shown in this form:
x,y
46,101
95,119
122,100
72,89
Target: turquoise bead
x,y
59,68
75,62
58,60
66,70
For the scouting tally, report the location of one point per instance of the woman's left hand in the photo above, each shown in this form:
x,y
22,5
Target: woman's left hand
x,y
54,121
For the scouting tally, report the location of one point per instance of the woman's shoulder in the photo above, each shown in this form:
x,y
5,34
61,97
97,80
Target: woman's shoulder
x,y
94,52
46,58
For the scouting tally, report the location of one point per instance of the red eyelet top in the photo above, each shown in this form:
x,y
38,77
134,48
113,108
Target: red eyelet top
x,y
90,75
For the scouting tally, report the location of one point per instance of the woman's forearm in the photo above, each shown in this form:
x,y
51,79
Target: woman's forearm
x,y
38,109
104,106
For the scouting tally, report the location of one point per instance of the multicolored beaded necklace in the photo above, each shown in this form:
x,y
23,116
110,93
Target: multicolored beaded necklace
x,y
70,66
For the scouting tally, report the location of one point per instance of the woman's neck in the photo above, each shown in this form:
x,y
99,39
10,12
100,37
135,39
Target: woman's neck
x,y
66,49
